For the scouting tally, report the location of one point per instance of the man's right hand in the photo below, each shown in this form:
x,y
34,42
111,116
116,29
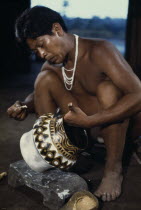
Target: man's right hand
x,y
18,111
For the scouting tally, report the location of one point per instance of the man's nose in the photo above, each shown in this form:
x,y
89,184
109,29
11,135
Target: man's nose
x,y
41,53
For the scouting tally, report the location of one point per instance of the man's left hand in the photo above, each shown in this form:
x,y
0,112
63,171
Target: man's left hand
x,y
76,117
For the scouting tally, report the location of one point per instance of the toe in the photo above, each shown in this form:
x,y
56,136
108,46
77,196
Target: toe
x,y
117,193
104,197
108,197
113,195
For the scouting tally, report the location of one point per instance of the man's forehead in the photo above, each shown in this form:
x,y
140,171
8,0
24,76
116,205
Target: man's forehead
x,y
31,42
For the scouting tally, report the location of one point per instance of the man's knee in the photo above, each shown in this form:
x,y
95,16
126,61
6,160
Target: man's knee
x,y
43,99
108,94
42,87
44,81
49,86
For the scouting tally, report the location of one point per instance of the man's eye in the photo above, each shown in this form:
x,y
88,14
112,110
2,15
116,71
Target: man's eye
x,y
41,46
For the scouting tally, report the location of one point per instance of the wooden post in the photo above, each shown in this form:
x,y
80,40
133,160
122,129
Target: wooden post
x,y
133,36
12,58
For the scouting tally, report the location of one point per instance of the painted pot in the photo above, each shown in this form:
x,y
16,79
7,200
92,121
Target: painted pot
x,y
52,143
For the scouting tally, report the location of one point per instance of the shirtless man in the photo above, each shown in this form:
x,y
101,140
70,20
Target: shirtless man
x,y
104,94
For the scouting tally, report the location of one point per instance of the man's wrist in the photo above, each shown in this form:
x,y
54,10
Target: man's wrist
x,y
90,123
29,105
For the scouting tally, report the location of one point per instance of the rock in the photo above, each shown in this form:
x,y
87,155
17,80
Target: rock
x,y
55,185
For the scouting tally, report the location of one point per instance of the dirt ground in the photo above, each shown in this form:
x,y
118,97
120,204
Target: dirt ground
x,y
24,198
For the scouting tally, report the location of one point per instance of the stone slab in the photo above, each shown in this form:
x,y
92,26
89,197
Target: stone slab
x,y
55,185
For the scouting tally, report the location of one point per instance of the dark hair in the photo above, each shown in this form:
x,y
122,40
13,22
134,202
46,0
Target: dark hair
x,y
37,21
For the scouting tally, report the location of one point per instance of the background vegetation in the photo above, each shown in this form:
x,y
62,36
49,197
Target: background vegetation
x,y
107,28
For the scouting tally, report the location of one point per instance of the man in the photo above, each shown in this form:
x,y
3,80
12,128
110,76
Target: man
x,y
95,81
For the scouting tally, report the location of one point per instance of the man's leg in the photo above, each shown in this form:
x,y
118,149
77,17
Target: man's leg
x,y
50,93
114,139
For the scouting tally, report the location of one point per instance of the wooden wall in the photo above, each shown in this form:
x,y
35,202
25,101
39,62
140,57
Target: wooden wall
x,y
11,59
133,36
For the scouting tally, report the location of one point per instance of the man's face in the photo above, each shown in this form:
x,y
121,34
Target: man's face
x,y
48,47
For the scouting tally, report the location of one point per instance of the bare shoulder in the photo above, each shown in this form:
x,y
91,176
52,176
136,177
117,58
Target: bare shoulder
x,y
104,53
99,47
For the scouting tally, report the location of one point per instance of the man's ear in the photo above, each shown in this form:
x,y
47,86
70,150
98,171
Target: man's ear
x,y
57,29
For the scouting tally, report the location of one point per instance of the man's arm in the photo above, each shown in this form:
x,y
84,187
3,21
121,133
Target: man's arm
x,y
122,76
29,102
120,73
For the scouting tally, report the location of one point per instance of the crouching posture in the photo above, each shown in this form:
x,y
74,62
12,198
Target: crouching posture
x,y
93,78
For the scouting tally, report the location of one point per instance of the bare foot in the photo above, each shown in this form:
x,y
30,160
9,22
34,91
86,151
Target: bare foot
x,y
110,187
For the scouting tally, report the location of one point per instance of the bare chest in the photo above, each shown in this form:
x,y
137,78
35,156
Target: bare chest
x,y
87,78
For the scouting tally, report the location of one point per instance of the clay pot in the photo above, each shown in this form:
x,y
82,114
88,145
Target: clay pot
x,y
52,143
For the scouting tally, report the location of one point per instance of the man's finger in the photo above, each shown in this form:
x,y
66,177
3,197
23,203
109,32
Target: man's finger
x,y
13,111
16,111
18,103
20,114
71,107
23,115
9,111
13,108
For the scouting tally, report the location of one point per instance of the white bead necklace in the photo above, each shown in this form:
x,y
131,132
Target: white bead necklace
x,y
68,81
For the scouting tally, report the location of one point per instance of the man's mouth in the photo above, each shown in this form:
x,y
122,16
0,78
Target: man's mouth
x,y
53,59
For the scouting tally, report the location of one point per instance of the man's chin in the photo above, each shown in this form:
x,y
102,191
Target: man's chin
x,y
57,62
